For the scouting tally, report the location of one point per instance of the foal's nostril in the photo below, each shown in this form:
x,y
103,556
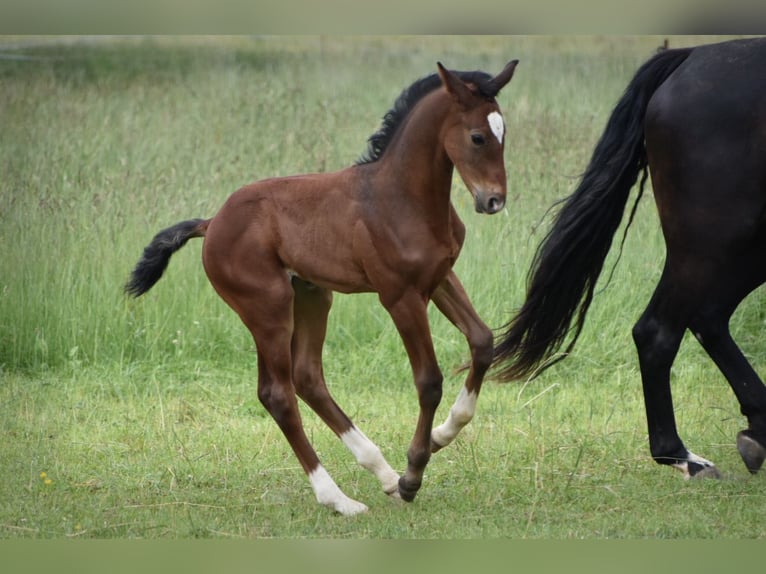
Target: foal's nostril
x,y
495,204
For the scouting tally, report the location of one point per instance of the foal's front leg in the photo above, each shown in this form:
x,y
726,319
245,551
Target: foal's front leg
x,y
411,319
451,299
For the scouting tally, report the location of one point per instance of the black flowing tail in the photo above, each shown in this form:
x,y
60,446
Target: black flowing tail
x,y
157,254
568,261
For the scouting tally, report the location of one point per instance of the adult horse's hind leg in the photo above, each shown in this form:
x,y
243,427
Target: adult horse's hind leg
x,y
711,327
702,298
311,307
657,336
451,299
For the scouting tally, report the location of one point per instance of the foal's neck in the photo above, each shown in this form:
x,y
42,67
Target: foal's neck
x,y
416,159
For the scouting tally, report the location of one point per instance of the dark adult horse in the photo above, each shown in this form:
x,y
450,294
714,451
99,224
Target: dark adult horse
x,y
278,248
697,119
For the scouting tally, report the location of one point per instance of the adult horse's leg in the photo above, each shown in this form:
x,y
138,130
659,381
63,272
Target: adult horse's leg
x,y
410,316
311,307
452,300
711,327
657,336
701,295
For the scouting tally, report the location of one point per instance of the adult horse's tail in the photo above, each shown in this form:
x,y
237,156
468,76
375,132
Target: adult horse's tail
x,y
568,262
157,254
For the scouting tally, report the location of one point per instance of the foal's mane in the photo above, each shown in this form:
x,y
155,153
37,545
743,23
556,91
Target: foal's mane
x,y
378,142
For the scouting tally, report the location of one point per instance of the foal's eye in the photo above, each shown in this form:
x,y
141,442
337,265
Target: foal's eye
x,y
478,139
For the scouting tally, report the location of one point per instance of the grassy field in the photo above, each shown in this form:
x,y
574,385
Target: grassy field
x,y
139,419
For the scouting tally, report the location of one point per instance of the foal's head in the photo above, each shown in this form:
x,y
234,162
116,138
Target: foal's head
x,y
475,136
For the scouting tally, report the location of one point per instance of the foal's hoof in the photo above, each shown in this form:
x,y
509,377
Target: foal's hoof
x,y
407,489
752,452
393,493
348,507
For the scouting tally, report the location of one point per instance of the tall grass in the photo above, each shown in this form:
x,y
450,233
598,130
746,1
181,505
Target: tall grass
x,y
103,145
142,414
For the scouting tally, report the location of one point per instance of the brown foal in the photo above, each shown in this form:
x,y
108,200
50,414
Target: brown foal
x,y
279,247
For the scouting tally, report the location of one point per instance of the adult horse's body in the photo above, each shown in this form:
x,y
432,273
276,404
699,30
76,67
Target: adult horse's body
x,y
278,248
697,118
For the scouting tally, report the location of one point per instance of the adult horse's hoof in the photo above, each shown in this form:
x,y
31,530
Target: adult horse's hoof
x,y
705,472
696,467
752,452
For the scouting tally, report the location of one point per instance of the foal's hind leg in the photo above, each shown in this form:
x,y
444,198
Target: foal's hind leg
x,y
311,307
451,299
265,305
279,399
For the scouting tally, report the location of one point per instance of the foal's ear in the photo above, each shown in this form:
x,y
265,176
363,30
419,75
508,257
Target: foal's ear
x,y
454,85
505,76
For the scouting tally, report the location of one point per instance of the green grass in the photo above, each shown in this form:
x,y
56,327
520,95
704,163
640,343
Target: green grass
x,y
143,414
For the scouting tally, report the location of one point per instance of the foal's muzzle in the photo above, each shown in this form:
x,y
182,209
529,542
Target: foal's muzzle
x,y
489,203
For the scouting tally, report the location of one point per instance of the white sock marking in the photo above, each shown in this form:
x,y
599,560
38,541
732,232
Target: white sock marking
x,y
328,493
368,455
460,415
497,125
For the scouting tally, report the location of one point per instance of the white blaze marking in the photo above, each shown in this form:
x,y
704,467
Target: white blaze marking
x,y
497,125
459,415
368,455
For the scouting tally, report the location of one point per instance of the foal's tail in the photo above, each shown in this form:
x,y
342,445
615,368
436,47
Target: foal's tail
x,y
157,254
568,262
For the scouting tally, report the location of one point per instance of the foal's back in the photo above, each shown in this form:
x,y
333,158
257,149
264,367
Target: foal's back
x,y
304,224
